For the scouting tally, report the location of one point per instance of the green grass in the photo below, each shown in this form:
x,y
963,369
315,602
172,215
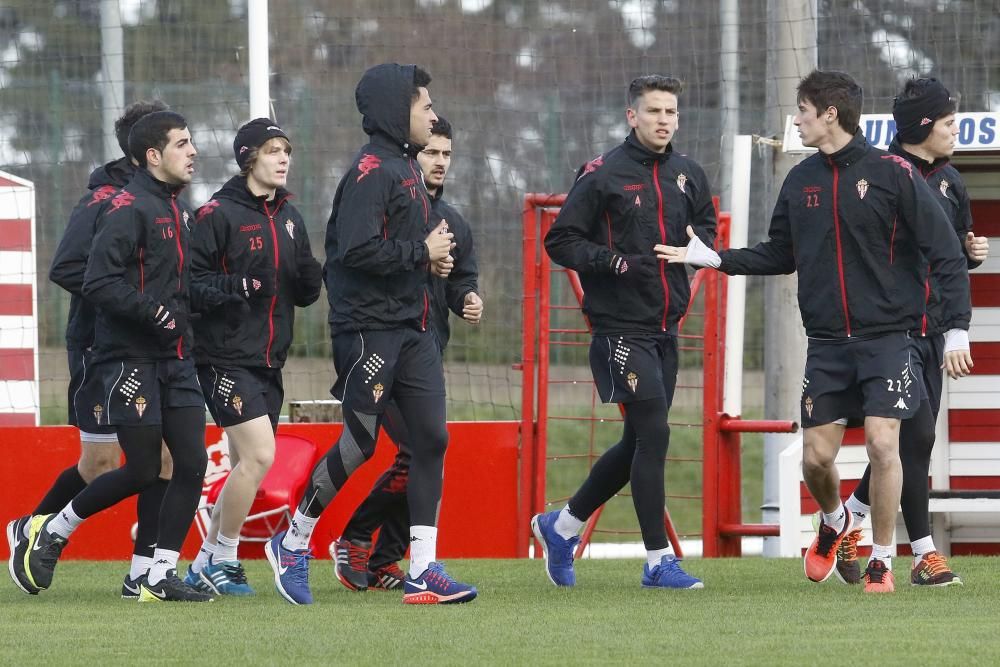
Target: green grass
x,y
753,611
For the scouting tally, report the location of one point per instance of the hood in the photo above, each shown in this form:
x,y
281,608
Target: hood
x,y
383,98
921,164
235,189
117,173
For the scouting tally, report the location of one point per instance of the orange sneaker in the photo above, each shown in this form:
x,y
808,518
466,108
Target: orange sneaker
x,y
933,570
878,578
848,570
820,560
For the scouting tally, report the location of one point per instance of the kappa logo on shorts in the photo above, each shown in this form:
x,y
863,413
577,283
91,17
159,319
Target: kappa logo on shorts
x,y
901,404
98,412
808,404
633,381
238,404
377,391
140,406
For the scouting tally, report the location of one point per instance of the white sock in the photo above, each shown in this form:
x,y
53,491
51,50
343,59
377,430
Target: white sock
x,y
423,548
567,526
299,533
836,519
164,560
924,545
204,556
653,556
883,553
858,509
225,548
65,522
140,565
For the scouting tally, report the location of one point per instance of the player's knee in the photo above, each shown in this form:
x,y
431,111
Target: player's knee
x,y
143,473
883,449
816,461
257,463
93,464
166,464
191,466
436,441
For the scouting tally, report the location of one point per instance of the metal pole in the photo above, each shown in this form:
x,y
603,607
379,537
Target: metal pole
x,y
259,60
791,36
739,222
729,76
112,76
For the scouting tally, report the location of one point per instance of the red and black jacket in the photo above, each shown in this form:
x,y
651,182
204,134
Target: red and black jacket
x,y
236,234
449,293
69,263
855,225
139,261
951,194
376,259
625,202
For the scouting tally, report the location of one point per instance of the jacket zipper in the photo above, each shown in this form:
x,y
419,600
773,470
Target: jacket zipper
x,y
840,255
663,240
427,223
274,297
180,264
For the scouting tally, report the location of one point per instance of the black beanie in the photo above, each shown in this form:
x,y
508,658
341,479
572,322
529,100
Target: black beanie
x,y
915,116
254,135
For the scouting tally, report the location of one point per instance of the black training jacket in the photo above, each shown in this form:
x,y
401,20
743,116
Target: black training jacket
x,y
70,260
625,202
854,225
449,293
139,261
239,234
376,258
951,194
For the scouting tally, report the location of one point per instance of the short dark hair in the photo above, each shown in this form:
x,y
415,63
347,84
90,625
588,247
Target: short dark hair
x,y
830,88
642,84
421,79
132,113
441,127
151,131
919,87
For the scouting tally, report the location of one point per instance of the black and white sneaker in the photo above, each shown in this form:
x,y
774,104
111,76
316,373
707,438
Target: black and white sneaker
x,y
170,589
18,544
44,549
130,588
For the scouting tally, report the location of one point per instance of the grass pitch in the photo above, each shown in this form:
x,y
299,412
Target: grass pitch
x,y
752,611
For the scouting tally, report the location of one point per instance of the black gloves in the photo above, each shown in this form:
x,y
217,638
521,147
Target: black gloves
x,y
170,323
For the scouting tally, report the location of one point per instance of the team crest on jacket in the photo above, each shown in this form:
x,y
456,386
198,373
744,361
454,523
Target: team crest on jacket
x,y
681,180
102,193
238,404
377,391
140,405
633,381
290,228
98,412
186,216
944,187
862,186
367,164
121,200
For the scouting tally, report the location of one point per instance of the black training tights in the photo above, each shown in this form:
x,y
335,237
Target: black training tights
x,y
638,457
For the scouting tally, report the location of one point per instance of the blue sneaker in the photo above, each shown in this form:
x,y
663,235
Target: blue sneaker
x,y
291,570
668,574
194,581
226,578
435,586
558,550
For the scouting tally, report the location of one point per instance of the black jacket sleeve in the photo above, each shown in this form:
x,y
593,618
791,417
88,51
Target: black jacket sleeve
x,y
464,277
208,248
963,223
360,220
569,241
775,256
116,247
308,271
69,263
703,209
938,242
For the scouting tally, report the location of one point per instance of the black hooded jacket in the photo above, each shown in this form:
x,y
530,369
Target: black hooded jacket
x,y
139,261
449,293
624,202
376,259
854,225
951,194
238,234
69,263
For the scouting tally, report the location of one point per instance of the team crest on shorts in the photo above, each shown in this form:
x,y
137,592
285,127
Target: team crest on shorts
x,y
944,187
290,228
140,405
681,180
862,186
633,381
98,412
808,404
377,391
238,404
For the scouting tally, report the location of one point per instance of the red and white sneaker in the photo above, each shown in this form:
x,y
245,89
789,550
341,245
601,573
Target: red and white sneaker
x,y
820,560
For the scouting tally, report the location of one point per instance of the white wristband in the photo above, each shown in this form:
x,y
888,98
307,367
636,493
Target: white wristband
x,y
956,339
699,254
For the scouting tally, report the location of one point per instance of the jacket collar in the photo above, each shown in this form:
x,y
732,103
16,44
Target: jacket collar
x,y
403,149
855,149
237,190
153,185
921,164
635,150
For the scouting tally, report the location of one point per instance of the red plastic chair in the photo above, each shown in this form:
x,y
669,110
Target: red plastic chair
x,y
284,483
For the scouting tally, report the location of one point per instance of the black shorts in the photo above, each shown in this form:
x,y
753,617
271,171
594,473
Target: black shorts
x,y
854,378
930,349
373,366
135,393
634,367
237,394
86,396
